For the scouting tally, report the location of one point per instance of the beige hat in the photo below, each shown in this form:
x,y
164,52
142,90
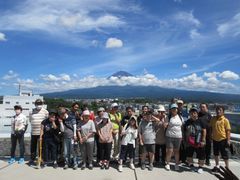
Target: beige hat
x,y
161,108
179,101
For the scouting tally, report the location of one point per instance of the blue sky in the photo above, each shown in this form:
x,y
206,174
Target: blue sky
x,y
56,45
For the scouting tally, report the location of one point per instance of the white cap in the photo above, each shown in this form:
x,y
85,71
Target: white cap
x,y
161,108
179,101
86,113
114,105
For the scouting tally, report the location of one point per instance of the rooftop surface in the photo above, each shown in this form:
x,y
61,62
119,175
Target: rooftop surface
x,y
24,172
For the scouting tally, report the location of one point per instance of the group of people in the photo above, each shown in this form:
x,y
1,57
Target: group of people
x,y
68,134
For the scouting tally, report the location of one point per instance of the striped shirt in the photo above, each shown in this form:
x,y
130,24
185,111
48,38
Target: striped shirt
x,y
36,118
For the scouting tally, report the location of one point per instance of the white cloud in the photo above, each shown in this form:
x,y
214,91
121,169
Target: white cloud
x,y
207,82
2,37
184,66
178,1
187,18
114,43
68,19
51,77
10,75
229,75
194,34
231,27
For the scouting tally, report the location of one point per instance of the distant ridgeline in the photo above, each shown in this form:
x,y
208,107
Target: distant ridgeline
x,y
150,92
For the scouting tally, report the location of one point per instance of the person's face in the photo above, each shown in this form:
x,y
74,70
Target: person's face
x,y
149,117
100,113
161,113
75,108
105,120
180,105
219,111
115,109
63,116
144,117
194,115
132,122
129,112
39,106
145,109
174,111
17,111
203,108
52,118
86,117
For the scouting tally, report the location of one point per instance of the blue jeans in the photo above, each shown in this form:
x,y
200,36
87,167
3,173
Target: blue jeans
x,y
69,154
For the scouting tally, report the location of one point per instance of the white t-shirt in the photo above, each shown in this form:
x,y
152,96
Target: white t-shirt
x,y
174,129
130,136
18,123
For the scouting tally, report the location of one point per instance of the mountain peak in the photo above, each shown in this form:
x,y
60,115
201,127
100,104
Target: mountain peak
x,y
120,74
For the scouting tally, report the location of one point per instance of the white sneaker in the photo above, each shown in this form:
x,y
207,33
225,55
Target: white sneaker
x,y
200,170
120,168
177,168
167,167
132,166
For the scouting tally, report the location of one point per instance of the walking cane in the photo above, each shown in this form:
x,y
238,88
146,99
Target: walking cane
x,y
39,153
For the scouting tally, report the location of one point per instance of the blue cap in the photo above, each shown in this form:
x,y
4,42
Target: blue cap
x,y
173,106
193,109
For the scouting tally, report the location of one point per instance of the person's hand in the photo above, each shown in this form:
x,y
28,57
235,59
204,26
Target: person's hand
x,y
165,125
75,138
202,144
81,140
141,142
84,139
226,173
40,138
60,120
228,143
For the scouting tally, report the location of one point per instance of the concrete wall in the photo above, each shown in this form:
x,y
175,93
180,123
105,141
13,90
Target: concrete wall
x,y
5,147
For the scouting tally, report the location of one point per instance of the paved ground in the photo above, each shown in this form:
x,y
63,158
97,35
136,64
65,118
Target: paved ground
x,y
23,172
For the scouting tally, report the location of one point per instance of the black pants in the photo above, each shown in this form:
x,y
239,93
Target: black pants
x,y
127,150
159,147
182,151
105,151
98,147
50,150
208,148
20,139
34,144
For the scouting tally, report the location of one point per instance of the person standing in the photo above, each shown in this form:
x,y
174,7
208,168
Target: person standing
x,y
69,128
115,118
160,137
86,131
49,134
98,120
36,117
195,138
221,131
104,131
173,136
19,126
128,142
206,117
147,135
